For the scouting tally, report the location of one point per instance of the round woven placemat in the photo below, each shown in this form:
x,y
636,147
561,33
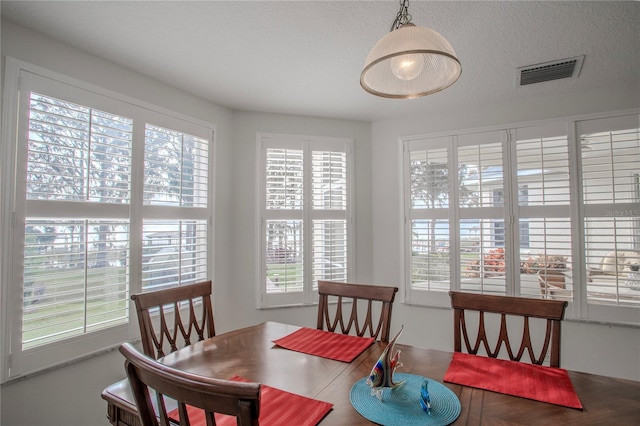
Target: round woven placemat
x,y
401,406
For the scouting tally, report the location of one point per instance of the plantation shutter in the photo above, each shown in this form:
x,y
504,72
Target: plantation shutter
x,y
74,158
544,215
284,235
75,273
610,160
427,183
305,224
176,199
329,196
483,201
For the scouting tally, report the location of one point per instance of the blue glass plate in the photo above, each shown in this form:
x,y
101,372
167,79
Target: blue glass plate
x,y
401,406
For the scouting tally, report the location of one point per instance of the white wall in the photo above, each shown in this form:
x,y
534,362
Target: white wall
x,y
601,349
69,395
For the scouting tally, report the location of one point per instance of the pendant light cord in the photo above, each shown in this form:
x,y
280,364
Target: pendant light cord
x,y
403,17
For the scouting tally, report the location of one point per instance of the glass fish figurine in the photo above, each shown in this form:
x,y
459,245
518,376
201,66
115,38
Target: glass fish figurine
x,y
381,375
425,401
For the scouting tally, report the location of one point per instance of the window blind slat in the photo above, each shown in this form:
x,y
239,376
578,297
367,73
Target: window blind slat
x,y
329,180
429,178
72,270
329,250
543,167
174,253
284,179
77,153
430,254
285,254
175,168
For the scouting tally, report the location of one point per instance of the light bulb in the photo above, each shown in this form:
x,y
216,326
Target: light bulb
x,y
407,67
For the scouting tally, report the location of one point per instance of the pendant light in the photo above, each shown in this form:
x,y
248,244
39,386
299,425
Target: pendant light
x,y
410,61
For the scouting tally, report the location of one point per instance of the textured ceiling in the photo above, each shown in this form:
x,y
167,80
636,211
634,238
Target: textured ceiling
x,y
305,57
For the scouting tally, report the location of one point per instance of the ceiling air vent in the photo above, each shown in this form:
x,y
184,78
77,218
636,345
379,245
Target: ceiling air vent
x,y
547,71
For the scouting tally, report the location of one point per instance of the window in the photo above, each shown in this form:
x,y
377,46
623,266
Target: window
x,y
548,211
76,276
305,223
175,200
610,163
84,194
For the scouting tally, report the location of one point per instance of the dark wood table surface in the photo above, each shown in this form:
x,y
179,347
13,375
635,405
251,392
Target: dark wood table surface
x,y
250,353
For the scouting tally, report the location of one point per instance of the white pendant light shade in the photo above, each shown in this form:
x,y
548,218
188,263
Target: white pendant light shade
x,y
410,62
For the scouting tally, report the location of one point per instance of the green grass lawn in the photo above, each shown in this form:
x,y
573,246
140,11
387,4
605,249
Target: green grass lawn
x,y
289,276
65,309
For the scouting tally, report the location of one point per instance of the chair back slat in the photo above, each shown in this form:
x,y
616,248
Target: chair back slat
x,y
372,295
166,338
238,399
551,311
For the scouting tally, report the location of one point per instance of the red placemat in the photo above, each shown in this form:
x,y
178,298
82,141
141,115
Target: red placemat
x,y
536,382
277,407
325,344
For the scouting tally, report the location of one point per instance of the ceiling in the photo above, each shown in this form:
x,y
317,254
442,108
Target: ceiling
x,y
305,57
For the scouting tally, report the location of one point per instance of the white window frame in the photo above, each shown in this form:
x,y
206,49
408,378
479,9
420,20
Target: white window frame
x,y
14,362
306,214
579,307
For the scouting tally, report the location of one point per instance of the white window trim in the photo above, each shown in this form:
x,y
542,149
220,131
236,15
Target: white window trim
x,y
307,296
65,351
581,311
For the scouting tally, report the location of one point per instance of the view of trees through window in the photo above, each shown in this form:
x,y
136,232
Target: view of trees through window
x,y
77,236
76,268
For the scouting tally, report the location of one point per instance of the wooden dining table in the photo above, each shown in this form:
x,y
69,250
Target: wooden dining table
x,y
250,353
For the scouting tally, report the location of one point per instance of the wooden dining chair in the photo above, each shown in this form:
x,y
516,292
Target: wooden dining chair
x,y
238,399
376,297
551,311
173,331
